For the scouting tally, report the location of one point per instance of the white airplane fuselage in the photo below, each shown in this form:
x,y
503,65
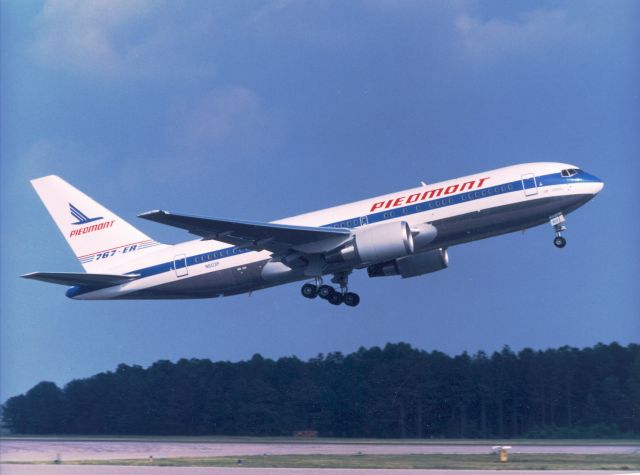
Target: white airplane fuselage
x,y
439,215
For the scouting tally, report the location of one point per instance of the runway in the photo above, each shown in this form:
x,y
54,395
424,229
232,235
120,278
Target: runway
x,y
16,450
22,450
47,450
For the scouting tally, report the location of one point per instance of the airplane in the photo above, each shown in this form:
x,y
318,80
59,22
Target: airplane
x,y
404,234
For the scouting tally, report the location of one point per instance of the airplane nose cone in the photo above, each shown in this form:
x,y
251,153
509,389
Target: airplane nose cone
x,y
593,184
598,185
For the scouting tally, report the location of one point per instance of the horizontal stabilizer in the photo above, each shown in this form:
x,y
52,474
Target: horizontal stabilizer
x,y
80,279
269,236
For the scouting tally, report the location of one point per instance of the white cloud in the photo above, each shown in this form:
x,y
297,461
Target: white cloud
x,y
224,125
133,38
123,38
221,115
58,156
91,36
532,32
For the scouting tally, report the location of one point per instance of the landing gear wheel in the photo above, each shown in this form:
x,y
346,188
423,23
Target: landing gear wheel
x,y
351,299
336,298
557,223
559,242
325,291
309,291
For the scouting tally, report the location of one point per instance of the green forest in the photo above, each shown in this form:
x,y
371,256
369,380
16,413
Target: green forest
x,y
391,392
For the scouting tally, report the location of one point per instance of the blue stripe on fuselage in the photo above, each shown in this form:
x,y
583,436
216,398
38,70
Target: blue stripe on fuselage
x,y
440,202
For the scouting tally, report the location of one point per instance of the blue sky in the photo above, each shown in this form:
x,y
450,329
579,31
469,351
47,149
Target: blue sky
x,y
261,110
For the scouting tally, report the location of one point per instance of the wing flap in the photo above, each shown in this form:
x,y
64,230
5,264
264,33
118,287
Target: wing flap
x,y
269,236
81,279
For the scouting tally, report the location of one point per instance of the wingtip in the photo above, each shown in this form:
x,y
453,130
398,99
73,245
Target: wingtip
x,y
152,213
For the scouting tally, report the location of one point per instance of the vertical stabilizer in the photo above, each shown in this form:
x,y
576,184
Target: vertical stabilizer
x,y
100,239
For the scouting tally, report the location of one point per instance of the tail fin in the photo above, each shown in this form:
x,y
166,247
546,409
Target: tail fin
x,y
100,239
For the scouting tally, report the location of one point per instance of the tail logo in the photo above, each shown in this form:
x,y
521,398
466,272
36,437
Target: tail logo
x,y
80,216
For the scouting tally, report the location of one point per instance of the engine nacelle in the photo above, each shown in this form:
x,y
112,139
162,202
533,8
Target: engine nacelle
x,y
377,243
423,234
411,266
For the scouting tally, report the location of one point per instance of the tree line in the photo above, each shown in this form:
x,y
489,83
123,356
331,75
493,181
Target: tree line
x,y
395,391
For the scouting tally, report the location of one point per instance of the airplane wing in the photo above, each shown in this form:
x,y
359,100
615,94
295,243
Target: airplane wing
x,y
272,237
81,279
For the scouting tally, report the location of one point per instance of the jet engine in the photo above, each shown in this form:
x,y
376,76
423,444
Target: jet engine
x,y
377,243
411,266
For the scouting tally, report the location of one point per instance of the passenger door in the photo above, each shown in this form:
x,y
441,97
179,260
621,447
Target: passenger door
x,y
180,265
529,184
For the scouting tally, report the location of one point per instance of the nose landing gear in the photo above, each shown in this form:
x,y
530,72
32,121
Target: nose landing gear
x,y
557,222
559,242
331,295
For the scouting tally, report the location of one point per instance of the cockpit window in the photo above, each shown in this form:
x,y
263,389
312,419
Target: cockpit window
x,y
569,172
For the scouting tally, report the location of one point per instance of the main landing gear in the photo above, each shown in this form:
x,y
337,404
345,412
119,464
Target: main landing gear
x,y
331,295
557,222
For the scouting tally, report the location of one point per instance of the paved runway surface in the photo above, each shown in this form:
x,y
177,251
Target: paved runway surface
x,y
102,470
48,450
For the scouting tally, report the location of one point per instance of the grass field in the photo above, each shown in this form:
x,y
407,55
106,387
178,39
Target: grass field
x,y
432,461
